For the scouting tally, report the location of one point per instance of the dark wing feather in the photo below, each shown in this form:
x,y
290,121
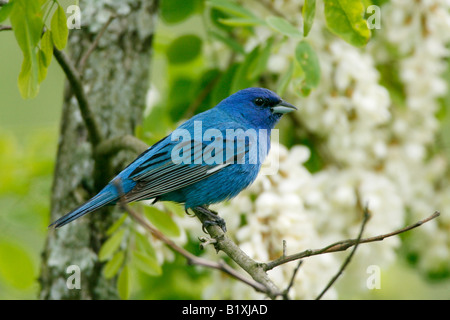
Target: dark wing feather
x,y
160,175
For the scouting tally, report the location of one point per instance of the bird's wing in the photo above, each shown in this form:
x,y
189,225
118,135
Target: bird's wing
x,y
159,174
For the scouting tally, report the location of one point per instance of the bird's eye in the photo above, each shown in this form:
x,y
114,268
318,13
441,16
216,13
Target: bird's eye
x,y
259,101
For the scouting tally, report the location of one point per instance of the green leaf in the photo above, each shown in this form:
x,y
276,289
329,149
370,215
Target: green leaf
x,y
42,67
241,22
241,78
208,79
144,245
174,208
231,8
111,245
16,266
124,283
59,29
146,263
283,26
172,12
309,63
285,79
162,221
45,54
223,87
112,267
308,13
28,80
47,47
178,104
184,49
5,10
116,224
229,41
259,65
26,21
345,18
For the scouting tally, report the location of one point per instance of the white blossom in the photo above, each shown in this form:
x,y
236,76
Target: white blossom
x,y
379,153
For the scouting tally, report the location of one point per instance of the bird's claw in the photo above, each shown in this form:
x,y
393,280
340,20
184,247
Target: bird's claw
x,y
218,221
213,219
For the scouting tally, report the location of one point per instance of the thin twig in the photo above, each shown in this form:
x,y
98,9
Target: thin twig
x,y
350,256
291,282
73,77
343,245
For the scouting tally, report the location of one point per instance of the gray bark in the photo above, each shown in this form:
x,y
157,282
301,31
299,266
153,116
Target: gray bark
x,y
116,79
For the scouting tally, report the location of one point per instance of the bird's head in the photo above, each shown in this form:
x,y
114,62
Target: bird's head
x,y
260,107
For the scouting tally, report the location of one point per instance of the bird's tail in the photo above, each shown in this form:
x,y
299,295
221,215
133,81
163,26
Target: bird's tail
x,y
104,197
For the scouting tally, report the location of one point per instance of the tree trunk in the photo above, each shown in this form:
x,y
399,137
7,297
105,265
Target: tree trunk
x,y
116,79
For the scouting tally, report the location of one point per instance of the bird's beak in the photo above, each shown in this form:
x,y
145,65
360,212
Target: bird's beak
x,y
283,107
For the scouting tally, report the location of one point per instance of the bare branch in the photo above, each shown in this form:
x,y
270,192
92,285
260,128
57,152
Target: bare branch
x,y
291,283
253,268
73,77
342,245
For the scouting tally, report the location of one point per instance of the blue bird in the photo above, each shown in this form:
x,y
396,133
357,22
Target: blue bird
x,y
209,158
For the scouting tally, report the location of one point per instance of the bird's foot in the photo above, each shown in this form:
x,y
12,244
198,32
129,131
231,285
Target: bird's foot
x,y
209,218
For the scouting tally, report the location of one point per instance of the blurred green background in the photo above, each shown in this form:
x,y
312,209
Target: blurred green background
x,y
28,144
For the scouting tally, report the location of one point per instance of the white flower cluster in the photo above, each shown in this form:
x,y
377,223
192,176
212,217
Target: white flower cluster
x,y
277,214
379,149
309,211
419,31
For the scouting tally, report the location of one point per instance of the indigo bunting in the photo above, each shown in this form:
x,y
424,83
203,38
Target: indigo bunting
x,y
209,158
